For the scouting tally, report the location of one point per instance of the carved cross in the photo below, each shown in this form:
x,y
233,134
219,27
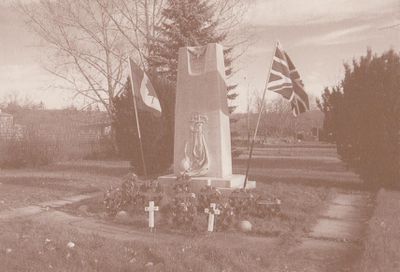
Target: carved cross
x,y
151,209
211,215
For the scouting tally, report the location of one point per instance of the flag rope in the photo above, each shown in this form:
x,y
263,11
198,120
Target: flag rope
x,y
259,118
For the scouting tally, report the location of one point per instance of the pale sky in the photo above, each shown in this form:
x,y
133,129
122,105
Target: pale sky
x,y
319,35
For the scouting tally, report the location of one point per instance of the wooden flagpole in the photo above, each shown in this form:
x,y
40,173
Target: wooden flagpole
x,y
258,119
137,121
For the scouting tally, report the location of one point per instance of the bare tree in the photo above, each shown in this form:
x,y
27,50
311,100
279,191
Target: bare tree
x,y
13,101
89,40
277,118
137,21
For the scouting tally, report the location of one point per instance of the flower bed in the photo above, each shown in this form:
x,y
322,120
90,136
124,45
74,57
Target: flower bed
x,y
183,210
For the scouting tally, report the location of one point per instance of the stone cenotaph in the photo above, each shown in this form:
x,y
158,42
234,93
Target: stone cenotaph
x,y
202,141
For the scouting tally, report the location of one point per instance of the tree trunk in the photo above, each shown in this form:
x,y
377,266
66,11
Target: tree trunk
x,y
112,116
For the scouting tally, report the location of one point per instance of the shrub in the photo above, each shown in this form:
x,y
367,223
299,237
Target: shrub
x,y
184,209
30,149
363,117
101,149
156,135
133,194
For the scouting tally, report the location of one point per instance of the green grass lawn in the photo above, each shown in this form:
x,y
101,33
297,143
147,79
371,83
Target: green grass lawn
x,y
297,150
28,246
382,243
100,168
20,192
228,251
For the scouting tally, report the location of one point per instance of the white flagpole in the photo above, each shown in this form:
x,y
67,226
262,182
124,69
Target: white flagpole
x,y
259,117
137,120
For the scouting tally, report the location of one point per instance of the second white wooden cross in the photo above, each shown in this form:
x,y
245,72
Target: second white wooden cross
x,y
211,215
151,209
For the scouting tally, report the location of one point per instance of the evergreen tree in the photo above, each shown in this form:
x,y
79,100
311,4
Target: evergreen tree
x,y
153,135
367,117
330,103
185,23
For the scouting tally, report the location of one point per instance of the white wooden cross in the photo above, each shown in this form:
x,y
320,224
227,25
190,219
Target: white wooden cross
x,y
151,209
211,215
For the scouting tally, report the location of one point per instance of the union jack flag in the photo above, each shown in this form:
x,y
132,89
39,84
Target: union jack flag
x,y
285,80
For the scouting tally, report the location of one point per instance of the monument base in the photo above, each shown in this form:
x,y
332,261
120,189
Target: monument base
x,y
229,182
